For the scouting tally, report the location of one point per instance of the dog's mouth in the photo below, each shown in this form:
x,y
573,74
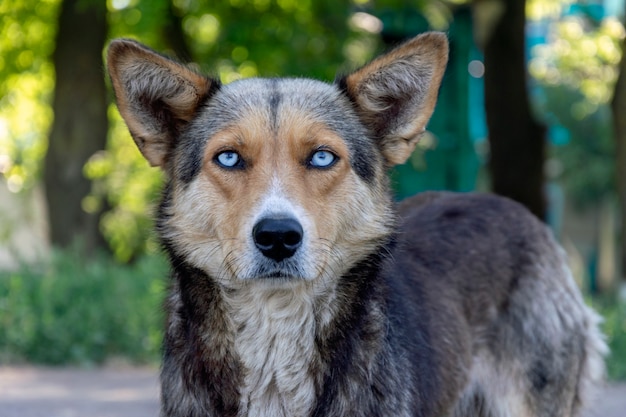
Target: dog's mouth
x,y
288,272
279,275
283,271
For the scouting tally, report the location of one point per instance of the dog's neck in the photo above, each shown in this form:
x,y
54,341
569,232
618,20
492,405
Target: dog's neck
x,y
275,341
271,347
280,330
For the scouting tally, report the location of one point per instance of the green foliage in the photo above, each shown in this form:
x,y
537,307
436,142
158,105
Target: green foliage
x,y
581,57
144,20
74,311
614,326
271,38
577,73
123,181
591,146
27,31
540,9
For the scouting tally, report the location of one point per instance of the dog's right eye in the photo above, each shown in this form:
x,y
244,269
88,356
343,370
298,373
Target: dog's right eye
x,y
229,159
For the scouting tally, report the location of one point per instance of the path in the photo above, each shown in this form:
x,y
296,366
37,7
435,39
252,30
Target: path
x,y
123,392
51,392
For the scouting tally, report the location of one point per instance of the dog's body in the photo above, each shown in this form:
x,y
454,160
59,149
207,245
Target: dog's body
x,y
299,290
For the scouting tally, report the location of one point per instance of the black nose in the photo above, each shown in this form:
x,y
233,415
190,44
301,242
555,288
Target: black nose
x,y
277,238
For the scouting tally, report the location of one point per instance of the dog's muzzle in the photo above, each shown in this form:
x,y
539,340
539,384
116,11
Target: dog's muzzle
x,y
277,238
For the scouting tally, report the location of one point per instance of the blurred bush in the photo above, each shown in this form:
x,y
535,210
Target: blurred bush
x,y
74,311
614,313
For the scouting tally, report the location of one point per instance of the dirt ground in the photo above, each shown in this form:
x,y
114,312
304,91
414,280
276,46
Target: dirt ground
x,y
134,392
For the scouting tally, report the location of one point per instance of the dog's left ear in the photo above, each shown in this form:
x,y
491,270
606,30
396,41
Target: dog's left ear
x,y
395,94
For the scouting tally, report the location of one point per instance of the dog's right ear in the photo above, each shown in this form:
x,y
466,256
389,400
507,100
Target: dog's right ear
x,y
155,95
395,94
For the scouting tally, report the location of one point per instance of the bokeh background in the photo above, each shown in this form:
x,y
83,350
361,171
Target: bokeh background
x,y
533,106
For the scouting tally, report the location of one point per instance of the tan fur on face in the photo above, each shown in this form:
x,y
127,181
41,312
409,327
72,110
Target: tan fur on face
x,y
341,216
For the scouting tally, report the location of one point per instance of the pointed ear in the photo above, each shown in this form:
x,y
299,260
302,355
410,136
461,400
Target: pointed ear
x,y
395,94
155,95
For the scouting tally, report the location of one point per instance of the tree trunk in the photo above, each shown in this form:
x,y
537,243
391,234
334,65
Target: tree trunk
x,y
618,106
80,122
173,35
517,141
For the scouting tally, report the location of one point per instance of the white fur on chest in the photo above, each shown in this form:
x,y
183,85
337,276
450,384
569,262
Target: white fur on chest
x,y
275,341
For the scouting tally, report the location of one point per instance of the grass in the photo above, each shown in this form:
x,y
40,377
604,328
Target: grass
x,y
614,327
75,311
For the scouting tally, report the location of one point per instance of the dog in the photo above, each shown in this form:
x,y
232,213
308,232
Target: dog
x,y
299,288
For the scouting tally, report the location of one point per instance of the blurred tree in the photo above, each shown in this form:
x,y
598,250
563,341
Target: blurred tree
x,y
576,70
173,34
517,140
238,39
618,105
79,129
445,158
27,31
576,73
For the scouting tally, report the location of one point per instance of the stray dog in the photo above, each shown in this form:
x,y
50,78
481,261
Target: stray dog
x,y
300,289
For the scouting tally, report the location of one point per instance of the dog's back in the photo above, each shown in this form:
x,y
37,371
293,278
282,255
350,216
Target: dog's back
x,y
530,343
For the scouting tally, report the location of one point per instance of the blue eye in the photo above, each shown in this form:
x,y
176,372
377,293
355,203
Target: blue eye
x,y
228,159
322,159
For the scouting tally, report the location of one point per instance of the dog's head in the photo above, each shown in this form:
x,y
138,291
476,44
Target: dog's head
x,y
277,180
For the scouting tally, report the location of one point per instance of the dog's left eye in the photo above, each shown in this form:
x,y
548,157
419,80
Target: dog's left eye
x,y
228,159
322,159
